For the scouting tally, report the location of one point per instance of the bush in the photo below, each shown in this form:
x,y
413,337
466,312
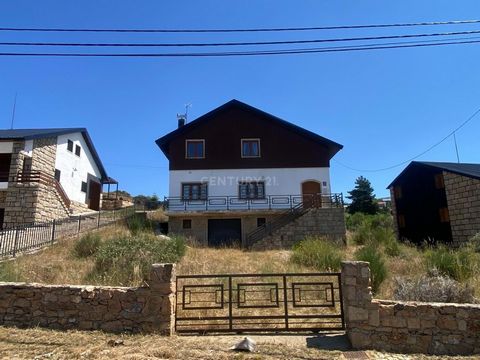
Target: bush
x,y
377,229
433,287
139,223
378,270
459,264
353,221
318,253
87,245
475,243
127,260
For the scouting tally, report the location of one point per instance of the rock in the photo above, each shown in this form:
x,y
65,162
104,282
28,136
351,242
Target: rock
x,y
247,344
116,342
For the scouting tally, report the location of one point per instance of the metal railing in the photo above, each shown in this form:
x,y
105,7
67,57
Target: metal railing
x,y
34,236
43,178
279,221
232,203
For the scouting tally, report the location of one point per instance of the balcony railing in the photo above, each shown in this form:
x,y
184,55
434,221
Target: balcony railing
x,y
235,203
43,178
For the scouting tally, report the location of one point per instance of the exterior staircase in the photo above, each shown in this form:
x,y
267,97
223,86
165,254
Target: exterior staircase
x,y
290,215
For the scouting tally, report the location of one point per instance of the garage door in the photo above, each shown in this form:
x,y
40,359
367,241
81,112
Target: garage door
x,y
224,232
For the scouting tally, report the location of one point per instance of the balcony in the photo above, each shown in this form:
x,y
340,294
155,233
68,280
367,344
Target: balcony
x,y
269,202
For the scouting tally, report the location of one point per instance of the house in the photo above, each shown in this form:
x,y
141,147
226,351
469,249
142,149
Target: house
x,y
47,174
238,174
437,201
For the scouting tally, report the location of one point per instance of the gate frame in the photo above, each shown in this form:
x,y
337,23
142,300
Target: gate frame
x,y
231,300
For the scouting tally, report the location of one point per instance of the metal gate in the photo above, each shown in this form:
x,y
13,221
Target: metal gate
x,y
259,302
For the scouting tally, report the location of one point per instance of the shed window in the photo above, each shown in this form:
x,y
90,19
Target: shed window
x,y
84,187
250,148
57,174
439,182
70,145
194,191
401,221
78,149
195,149
444,215
187,224
261,221
251,190
397,191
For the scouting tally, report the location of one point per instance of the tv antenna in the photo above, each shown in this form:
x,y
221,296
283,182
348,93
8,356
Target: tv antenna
x,y
13,111
183,117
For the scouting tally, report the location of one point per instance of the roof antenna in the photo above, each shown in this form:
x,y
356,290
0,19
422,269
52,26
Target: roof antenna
x,y
13,111
456,147
182,118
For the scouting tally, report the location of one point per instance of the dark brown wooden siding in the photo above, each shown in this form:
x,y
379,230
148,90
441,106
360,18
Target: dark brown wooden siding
x,y
279,146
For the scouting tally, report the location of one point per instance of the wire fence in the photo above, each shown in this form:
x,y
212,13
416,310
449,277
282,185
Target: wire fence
x,y
34,236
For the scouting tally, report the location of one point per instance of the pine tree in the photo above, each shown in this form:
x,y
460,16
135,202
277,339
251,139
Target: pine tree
x,y
363,199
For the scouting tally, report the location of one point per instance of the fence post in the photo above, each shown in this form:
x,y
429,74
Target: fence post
x,y
53,230
15,242
79,224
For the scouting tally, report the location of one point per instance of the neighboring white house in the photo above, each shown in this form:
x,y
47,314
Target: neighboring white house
x,y
48,173
237,168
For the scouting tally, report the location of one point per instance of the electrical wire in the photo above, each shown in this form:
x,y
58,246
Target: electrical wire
x,y
253,43
470,118
245,53
368,26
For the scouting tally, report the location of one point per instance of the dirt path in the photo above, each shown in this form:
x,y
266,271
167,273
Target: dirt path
x,y
51,344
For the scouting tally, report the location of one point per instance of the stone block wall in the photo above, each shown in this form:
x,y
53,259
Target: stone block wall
x,y
113,309
405,327
325,222
463,198
33,202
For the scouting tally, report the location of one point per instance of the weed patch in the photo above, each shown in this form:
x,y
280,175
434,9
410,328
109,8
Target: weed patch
x,y
318,253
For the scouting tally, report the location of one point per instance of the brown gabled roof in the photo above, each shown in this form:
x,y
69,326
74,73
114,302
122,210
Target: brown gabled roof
x,y
164,141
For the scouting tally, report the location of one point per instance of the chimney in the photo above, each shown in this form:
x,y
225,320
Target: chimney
x,y
181,120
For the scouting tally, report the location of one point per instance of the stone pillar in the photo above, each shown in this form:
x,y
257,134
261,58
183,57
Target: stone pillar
x,y
161,304
360,312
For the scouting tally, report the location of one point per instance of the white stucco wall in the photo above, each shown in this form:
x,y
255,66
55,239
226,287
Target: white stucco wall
x,y
285,181
6,147
74,169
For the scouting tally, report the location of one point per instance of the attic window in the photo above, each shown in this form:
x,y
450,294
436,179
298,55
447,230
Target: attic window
x,y
70,145
195,149
250,148
439,182
78,150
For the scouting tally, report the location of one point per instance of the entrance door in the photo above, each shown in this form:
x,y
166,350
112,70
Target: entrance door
x,y
311,193
224,232
94,195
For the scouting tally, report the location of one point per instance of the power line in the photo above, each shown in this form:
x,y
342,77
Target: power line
x,y
246,53
417,156
247,43
432,23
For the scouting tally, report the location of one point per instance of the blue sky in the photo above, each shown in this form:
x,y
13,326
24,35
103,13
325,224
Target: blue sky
x,y
383,106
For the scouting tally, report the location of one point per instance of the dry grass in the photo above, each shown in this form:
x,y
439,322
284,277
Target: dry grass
x,y
230,260
56,264
54,345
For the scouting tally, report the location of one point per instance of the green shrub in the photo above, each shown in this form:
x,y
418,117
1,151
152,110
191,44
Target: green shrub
x,y
87,245
459,264
475,243
139,223
127,260
318,253
378,269
353,221
392,247
9,272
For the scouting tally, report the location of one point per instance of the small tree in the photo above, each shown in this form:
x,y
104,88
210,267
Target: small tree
x,y
363,199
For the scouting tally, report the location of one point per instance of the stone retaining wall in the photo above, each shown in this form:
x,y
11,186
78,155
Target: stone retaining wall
x,y
113,309
463,198
407,327
325,222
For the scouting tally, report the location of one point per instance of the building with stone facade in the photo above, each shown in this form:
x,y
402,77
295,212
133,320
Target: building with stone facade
x,y
47,174
437,201
241,175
